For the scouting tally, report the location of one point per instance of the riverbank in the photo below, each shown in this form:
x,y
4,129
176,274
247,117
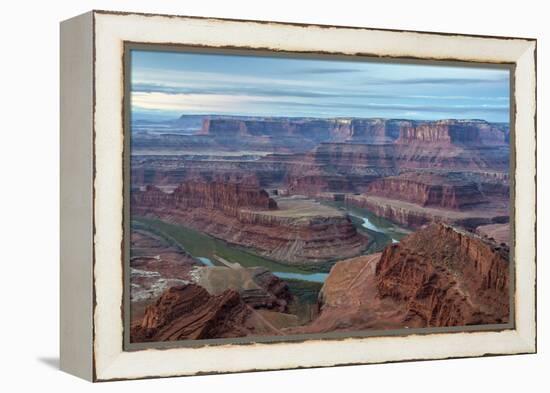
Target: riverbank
x,y
381,232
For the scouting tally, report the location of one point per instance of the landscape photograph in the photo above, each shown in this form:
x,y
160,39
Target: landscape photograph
x,y
280,196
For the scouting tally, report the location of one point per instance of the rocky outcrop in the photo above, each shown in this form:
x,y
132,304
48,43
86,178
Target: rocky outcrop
x,y
257,286
400,214
453,145
226,197
446,278
303,232
343,167
452,132
375,131
156,265
414,215
436,277
320,155
499,233
448,190
440,132
188,312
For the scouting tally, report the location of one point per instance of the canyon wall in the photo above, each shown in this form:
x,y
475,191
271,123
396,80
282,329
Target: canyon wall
x,y
446,278
450,190
310,156
452,132
247,217
435,277
401,215
189,312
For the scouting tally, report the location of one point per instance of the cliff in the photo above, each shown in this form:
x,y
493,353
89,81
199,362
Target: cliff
x,y
257,286
188,312
227,197
343,167
446,278
319,155
300,232
452,132
436,277
398,213
448,190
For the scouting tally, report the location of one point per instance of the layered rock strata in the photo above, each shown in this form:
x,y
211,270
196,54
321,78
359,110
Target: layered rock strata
x,y
257,286
449,190
436,277
189,312
322,155
413,215
446,278
301,232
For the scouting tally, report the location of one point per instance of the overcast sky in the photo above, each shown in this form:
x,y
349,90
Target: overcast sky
x,y
168,84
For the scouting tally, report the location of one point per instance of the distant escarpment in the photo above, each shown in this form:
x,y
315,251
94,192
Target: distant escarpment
x,y
309,156
453,145
436,277
452,132
300,135
448,190
343,167
189,312
296,232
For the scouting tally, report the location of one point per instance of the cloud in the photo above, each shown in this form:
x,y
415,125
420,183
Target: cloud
x,y
438,81
457,109
327,70
261,91
273,105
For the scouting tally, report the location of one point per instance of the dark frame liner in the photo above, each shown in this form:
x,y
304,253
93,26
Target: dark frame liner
x,y
240,51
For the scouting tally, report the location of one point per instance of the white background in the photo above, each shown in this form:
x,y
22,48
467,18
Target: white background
x,y
29,196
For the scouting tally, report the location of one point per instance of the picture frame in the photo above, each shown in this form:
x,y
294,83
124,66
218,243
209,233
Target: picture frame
x,y
95,144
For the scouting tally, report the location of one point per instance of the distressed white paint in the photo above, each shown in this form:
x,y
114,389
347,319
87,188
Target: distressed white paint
x,y
112,362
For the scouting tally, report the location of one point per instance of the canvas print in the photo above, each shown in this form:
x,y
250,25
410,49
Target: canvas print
x,y
278,196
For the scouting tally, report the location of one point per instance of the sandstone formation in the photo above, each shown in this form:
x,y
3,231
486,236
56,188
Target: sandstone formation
x,y
343,167
436,277
301,231
210,172
188,312
452,132
226,197
452,145
413,215
446,278
449,190
500,233
309,156
257,286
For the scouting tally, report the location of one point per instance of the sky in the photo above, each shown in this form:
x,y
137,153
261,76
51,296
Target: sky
x,y
166,85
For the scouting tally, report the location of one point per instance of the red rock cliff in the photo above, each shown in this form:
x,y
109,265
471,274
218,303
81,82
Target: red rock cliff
x,y
441,132
446,278
436,277
188,312
227,197
304,232
450,190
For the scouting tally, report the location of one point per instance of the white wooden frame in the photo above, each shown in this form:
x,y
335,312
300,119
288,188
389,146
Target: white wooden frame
x,y
92,194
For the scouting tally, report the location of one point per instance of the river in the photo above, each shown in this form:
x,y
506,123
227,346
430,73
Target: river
x,y
309,277
207,249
